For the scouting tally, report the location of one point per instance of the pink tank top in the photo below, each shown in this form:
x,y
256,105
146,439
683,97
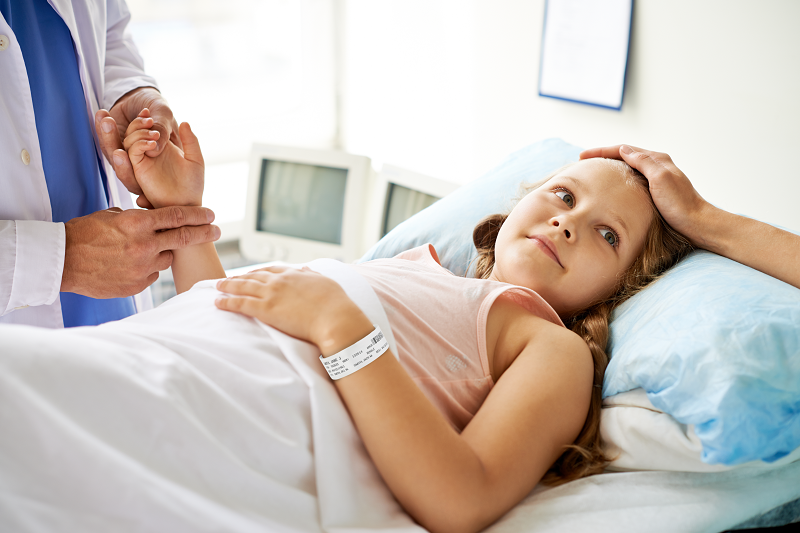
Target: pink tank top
x,y
439,324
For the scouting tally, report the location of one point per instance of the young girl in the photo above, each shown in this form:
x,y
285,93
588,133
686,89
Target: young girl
x,y
491,394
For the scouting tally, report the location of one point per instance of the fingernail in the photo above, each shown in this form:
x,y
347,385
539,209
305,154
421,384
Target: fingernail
x,y
118,160
625,149
209,215
107,126
217,233
218,301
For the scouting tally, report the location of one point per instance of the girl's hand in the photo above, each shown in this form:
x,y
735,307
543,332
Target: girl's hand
x,y
301,303
674,195
175,177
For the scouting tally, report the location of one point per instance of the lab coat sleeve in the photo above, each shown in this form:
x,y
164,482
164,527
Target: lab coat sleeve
x,y
31,263
124,68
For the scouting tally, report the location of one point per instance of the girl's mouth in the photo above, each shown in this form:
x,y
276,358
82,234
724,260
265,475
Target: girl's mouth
x,y
547,246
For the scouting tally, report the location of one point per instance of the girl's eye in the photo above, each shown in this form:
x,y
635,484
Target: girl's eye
x,y
610,237
566,196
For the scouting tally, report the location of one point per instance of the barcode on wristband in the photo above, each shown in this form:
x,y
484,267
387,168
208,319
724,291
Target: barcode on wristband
x,y
376,339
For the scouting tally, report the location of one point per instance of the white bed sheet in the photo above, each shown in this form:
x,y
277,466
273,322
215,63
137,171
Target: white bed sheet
x,y
156,424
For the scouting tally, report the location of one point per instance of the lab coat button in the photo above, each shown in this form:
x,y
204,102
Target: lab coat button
x,y
4,40
26,157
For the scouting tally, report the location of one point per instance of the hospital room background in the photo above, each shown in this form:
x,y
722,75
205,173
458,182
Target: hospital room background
x,y
448,88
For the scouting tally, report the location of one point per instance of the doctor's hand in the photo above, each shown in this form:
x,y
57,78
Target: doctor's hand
x,y
115,253
301,303
674,195
112,125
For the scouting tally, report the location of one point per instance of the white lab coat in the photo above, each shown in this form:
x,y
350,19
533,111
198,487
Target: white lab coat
x,y
31,245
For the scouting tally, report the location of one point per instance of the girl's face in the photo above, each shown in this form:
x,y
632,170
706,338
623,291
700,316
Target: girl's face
x,y
571,238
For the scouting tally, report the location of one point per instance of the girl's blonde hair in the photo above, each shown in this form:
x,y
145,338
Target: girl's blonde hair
x,y
663,248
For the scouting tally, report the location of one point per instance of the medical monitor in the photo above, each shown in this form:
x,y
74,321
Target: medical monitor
x,y
304,204
398,194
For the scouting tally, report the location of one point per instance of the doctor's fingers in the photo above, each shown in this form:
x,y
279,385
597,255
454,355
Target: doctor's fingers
x,y
648,162
607,152
111,145
646,159
184,236
163,261
107,133
164,122
175,217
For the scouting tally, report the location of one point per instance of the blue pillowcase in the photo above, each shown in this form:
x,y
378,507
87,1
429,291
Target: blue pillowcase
x,y
713,343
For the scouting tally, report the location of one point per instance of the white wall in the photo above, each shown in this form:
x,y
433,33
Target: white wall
x,y
449,87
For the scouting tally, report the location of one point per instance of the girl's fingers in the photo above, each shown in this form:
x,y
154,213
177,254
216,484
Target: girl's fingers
x,y
191,146
245,305
140,135
137,150
274,269
139,123
242,287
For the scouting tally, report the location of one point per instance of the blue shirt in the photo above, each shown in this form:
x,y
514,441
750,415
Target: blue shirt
x,y
75,178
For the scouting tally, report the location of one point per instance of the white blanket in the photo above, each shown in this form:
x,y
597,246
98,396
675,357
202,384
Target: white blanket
x,y
184,418
187,418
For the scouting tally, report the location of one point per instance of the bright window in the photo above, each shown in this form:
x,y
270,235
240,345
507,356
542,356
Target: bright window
x,y
241,71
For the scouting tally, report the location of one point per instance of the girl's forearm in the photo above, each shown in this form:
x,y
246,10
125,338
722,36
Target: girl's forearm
x,y
752,243
434,473
195,263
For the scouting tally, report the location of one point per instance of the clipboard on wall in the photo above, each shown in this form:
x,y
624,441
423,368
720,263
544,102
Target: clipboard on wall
x,y
585,45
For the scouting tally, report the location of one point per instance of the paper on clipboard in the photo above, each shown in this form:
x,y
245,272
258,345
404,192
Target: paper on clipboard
x,y
585,51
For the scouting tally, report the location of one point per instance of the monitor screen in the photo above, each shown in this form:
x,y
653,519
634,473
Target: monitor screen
x,y
402,203
301,200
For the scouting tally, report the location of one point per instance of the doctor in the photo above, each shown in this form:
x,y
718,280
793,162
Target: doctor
x,y
69,255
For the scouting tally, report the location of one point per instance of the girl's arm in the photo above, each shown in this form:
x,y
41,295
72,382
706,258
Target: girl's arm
x,y
750,242
445,480
175,177
195,263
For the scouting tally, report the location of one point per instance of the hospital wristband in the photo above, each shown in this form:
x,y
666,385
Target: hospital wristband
x,y
356,356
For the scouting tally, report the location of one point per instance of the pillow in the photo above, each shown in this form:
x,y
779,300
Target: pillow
x,y
715,344
448,223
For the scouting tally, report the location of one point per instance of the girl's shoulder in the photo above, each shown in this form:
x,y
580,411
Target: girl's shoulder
x,y
512,328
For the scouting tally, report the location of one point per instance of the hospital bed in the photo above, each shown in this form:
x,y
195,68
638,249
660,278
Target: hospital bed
x,y
154,423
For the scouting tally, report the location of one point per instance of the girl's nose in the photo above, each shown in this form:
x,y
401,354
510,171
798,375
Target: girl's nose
x,y
558,224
